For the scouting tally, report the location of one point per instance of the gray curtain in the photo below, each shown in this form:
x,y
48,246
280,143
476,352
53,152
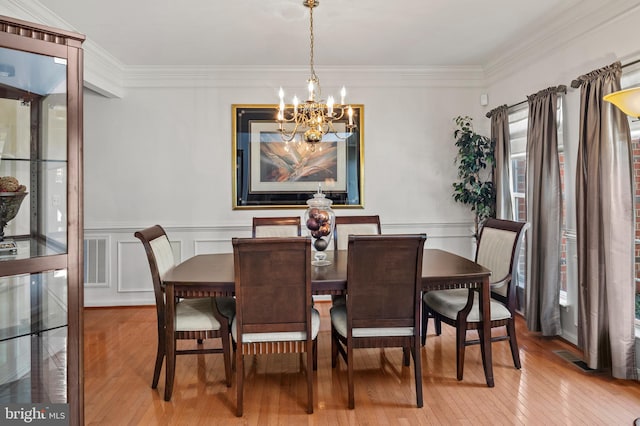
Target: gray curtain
x,y
500,134
544,213
605,234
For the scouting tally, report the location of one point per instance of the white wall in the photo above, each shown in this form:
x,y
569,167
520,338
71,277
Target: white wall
x,y
590,51
162,154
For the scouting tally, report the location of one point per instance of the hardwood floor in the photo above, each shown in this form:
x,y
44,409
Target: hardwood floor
x,y
120,346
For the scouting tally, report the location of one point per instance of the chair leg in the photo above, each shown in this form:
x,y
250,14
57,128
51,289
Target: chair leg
x,y
226,351
160,354
310,361
170,367
417,367
513,342
239,381
200,341
334,348
352,403
425,323
461,334
158,367
438,326
405,356
315,354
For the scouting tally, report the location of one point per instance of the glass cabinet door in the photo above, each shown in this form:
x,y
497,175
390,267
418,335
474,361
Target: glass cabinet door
x,y
33,154
40,216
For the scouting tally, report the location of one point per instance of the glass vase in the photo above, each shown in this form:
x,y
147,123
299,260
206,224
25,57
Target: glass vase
x,y
320,221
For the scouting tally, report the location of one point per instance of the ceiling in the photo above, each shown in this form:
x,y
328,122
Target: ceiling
x,y
347,32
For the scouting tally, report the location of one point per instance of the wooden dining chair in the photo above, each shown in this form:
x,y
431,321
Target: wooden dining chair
x,y
498,250
289,226
196,318
352,225
274,312
384,281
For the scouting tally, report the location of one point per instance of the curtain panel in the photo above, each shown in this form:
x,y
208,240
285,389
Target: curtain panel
x,y
544,213
502,176
605,227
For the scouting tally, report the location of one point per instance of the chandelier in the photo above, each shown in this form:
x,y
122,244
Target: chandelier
x,y
314,117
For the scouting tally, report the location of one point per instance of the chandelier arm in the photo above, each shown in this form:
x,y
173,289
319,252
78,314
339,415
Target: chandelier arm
x,y
338,113
288,136
333,130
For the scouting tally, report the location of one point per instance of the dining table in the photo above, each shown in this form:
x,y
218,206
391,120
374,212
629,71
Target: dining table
x,y
210,275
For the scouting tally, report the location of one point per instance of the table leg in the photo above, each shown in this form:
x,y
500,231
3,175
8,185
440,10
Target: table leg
x,y
170,341
485,338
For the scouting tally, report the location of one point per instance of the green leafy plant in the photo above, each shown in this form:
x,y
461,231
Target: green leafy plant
x,y
475,162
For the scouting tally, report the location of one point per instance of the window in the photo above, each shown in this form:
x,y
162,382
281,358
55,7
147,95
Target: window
x,y
632,79
518,121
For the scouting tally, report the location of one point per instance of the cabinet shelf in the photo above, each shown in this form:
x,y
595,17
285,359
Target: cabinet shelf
x,y
32,160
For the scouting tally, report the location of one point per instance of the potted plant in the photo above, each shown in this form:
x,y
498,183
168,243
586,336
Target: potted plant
x,y
475,160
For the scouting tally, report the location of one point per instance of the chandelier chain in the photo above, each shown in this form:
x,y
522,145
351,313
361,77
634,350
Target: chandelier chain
x,y
314,77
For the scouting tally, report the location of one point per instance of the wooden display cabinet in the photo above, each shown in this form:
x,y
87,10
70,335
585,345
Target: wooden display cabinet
x,y
41,297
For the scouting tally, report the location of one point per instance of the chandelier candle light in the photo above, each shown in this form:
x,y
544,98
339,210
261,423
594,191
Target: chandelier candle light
x,y
314,116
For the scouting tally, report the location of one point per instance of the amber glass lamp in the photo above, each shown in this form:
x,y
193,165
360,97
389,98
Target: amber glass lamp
x,y
627,100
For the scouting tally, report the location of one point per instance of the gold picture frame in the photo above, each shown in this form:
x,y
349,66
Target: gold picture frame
x,y
271,173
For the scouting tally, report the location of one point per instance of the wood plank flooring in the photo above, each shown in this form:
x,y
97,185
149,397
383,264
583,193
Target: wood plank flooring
x,y
120,346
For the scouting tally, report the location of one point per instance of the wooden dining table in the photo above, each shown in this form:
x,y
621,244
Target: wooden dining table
x,y
213,275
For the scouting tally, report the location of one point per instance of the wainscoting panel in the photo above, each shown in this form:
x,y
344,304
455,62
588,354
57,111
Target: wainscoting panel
x,y
132,277
212,246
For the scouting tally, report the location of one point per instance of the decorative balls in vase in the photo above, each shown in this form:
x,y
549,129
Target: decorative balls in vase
x,y
11,195
319,219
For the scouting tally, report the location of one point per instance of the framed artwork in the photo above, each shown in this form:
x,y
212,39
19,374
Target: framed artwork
x,y
271,173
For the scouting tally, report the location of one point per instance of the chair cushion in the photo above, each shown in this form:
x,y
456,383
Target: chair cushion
x,y
196,314
226,306
449,302
339,322
280,336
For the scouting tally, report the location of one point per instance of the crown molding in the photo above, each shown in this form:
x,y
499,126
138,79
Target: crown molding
x,y
556,32
265,76
103,73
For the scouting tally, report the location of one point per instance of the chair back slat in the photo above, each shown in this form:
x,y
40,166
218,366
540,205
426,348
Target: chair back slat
x,y
286,226
384,280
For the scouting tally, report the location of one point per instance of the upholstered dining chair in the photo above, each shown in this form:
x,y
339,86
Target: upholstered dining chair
x,y
288,226
498,250
274,312
384,281
196,318
352,225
